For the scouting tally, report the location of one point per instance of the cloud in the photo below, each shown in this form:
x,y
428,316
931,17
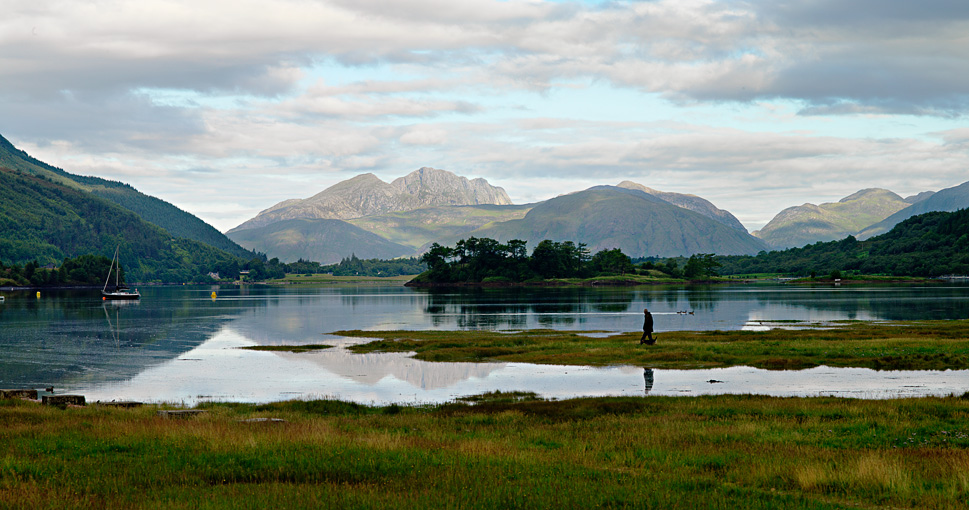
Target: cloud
x,y
892,56
178,95
423,135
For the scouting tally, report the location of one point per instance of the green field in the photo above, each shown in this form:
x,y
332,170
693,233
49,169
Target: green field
x,y
654,452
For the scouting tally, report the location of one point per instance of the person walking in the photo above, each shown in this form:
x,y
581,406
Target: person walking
x,y
647,329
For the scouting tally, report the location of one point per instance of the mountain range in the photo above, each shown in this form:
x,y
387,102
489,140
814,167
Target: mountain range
x,y
47,214
436,206
863,214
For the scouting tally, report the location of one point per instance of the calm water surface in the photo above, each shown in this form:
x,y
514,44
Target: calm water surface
x,y
178,344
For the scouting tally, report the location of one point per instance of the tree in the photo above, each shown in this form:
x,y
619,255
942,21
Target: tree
x,y
551,259
701,265
612,261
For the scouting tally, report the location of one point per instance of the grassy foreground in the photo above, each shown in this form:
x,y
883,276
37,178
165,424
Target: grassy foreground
x,y
655,452
926,345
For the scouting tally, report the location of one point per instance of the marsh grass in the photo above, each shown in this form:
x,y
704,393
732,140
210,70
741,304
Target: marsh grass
x,y
927,345
500,452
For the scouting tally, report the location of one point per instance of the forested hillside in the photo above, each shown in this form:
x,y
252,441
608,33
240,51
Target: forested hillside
x,y
928,245
45,222
177,222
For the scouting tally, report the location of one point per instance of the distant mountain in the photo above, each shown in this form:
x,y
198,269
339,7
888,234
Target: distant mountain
x,y
177,222
914,199
947,200
326,241
809,223
421,227
638,223
367,195
691,202
930,244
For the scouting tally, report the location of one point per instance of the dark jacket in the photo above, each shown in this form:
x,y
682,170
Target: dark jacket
x,y
648,322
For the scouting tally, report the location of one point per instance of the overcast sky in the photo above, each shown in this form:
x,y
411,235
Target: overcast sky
x,y
225,108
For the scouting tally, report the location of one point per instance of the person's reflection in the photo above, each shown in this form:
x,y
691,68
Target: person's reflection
x,y
648,376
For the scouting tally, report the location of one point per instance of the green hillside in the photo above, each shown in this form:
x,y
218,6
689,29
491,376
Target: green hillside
x,y
949,199
421,227
928,245
809,223
639,224
177,222
322,240
47,221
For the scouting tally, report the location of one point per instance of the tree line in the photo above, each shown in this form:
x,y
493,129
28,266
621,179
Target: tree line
x,y
484,260
85,270
353,266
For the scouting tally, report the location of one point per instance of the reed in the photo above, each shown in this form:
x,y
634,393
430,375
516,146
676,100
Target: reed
x,y
500,452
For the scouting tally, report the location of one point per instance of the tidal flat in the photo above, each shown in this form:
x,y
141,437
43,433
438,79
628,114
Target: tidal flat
x,y
915,345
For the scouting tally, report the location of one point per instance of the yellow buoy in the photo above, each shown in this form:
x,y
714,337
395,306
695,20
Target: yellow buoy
x,y
38,294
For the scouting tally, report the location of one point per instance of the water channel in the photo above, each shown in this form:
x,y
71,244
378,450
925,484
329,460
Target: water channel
x,y
179,345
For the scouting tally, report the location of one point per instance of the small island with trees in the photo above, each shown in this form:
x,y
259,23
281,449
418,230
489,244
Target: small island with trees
x,y
484,261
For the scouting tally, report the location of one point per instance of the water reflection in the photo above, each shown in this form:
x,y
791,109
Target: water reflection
x,y
521,308
181,344
218,370
66,337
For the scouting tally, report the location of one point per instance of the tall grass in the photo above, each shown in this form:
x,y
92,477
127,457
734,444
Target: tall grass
x,y
653,452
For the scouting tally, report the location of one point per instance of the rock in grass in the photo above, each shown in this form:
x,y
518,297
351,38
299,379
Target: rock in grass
x,y
63,400
12,394
180,413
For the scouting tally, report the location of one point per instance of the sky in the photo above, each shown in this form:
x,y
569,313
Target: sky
x,y
225,108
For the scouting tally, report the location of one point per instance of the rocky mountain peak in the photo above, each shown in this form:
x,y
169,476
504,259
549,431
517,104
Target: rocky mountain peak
x,y
367,195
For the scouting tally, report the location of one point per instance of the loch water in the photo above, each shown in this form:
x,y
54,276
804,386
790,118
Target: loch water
x,y
178,344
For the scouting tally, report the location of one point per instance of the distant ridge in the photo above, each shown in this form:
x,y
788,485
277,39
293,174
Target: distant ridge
x,y
946,200
806,224
691,202
326,241
367,195
638,223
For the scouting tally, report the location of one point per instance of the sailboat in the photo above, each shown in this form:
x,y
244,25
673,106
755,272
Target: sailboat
x,y
120,291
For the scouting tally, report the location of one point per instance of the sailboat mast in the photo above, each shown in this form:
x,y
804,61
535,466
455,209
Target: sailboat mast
x,y
108,279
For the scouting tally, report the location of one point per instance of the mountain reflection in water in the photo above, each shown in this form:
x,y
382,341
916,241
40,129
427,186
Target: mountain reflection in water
x,y
219,370
178,344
